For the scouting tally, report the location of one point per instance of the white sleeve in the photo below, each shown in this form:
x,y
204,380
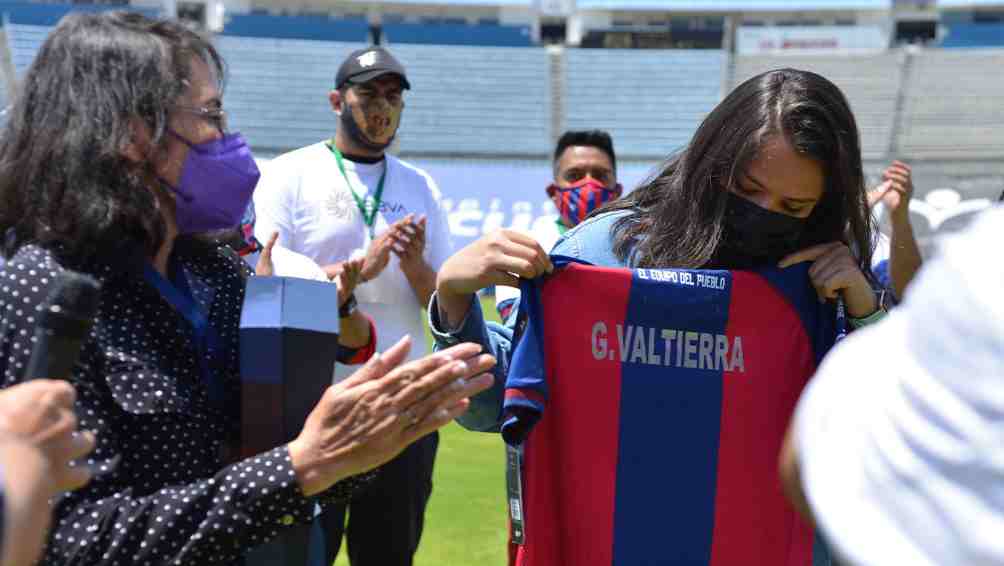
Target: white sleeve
x,y
438,239
274,204
882,249
864,475
287,263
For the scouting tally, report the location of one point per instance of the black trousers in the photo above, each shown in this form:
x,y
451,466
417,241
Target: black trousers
x,y
385,520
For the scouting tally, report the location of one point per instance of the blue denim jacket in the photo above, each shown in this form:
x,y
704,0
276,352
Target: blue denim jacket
x,y
589,241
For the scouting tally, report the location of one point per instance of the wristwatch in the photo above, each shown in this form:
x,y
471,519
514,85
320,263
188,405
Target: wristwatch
x,y
348,307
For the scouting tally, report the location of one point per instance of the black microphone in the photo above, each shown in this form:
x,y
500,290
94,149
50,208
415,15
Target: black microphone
x,y
64,323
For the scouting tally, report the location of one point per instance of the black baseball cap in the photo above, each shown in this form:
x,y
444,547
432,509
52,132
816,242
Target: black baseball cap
x,y
364,65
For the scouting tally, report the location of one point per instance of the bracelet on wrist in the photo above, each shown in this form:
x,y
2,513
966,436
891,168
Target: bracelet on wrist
x,y
349,307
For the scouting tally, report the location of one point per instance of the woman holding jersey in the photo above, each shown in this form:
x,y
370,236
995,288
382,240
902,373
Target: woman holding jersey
x,y
772,177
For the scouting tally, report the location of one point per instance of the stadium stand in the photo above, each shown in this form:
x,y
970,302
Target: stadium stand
x,y
27,24
871,84
953,105
448,33
317,27
650,101
47,14
4,101
277,89
973,35
693,6
968,4
462,3
24,42
482,100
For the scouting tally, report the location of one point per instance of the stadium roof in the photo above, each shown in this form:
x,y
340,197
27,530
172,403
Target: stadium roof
x,y
466,2
736,5
969,3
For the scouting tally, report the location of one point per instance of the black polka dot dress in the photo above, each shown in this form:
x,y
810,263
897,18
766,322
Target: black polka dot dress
x,y
163,494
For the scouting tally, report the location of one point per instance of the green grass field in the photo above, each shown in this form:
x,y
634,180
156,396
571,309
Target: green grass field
x,y
465,522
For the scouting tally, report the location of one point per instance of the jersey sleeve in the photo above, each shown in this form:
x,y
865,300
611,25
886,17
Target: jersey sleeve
x,y
526,390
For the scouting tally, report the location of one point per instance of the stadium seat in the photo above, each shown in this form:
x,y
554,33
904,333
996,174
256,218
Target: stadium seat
x,y
870,83
973,35
24,42
304,26
277,89
28,24
650,101
452,33
484,100
953,105
48,14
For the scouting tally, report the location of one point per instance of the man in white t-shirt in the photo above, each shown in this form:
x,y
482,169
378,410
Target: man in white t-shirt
x,y
895,447
347,198
585,178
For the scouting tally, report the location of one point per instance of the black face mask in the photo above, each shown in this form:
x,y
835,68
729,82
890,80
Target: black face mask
x,y
348,121
755,236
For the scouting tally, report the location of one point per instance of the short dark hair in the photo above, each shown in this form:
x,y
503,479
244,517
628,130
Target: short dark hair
x,y
63,176
676,219
586,138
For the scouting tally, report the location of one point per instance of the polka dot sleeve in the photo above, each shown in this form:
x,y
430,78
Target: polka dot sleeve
x,y
163,493
213,521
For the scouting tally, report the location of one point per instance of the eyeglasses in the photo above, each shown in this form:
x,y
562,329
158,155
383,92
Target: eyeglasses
x,y
215,116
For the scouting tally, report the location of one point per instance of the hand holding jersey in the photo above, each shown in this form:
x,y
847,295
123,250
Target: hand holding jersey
x,y
585,178
500,258
834,273
578,200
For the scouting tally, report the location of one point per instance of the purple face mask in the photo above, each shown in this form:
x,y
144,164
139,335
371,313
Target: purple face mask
x,y
216,184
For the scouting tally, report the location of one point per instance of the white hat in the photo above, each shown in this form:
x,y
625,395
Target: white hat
x,y
900,435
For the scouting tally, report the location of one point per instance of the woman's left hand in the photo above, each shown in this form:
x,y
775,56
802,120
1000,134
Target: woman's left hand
x,y
265,267
835,270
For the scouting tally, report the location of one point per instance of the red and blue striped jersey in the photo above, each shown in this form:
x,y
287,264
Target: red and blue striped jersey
x,y
651,405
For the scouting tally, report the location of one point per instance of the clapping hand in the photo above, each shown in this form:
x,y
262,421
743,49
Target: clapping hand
x,y
409,239
378,254
374,414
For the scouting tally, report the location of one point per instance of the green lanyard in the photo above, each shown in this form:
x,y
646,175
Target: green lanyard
x,y
368,216
561,226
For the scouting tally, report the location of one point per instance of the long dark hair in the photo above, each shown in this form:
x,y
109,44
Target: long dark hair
x,y
677,216
63,176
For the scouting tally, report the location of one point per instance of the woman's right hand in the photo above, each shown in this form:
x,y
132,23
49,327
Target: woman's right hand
x,y
40,412
38,442
370,417
498,258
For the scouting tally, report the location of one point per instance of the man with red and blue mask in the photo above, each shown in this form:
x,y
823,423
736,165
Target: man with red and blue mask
x,y
585,178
